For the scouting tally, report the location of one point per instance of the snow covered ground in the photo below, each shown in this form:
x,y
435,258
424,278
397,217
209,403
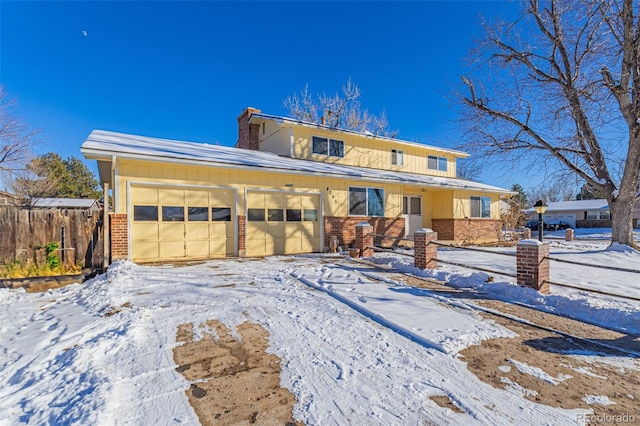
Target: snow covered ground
x,y
356,348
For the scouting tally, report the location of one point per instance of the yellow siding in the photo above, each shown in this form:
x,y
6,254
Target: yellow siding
x,y
335,191
274,138
462,204
369,152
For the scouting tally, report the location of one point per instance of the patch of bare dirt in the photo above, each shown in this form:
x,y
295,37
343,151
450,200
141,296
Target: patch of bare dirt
x,y
495,362
234,382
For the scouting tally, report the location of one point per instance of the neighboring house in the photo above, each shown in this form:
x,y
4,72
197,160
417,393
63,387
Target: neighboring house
x,y
7,199
287,187
578,213
67,203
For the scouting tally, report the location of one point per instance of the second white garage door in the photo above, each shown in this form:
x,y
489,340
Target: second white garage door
x,y
283,223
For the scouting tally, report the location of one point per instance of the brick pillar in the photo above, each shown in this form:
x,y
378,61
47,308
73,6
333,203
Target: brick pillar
x,y
119,236
532,267
242,236
425,254
526,234
364,239
569,234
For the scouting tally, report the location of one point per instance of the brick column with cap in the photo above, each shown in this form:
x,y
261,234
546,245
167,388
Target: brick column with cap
x,y
364,239
569,234
425,254
533,265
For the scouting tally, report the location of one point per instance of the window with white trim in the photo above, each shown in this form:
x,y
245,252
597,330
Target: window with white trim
x,y
325,146
481,207
437,163
397,157
366,201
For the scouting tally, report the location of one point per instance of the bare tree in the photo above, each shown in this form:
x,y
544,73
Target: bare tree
x,y
338,111
32,183
17,138
560,88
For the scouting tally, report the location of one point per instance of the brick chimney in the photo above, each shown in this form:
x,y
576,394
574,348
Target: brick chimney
x,y
248,133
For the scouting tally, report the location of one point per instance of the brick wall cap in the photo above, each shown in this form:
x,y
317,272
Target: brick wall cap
x,y
529,242
363,224
424,231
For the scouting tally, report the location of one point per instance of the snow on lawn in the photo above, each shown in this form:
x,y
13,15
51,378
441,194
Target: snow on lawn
x,y
620,314
353,350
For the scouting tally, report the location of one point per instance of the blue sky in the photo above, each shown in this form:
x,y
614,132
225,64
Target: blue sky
x,y
185,70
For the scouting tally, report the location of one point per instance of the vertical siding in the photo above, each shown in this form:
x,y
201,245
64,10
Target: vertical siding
x,y
369,152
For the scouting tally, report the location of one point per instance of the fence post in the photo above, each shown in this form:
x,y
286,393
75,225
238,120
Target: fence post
x,y
364,239
533,265
568,234
526,233
425,254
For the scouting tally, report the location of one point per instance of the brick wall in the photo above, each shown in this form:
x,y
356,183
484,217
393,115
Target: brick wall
x,y
345,229
248,134
119,236
591,223
467,230
425,254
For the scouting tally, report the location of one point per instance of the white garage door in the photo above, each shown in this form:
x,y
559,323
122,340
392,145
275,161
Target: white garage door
x,y
175,223
283,223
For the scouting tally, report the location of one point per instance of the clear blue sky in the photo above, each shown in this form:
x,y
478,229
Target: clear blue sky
x,y
185,70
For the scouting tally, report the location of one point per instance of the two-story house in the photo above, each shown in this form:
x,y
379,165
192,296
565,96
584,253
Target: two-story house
x,y
287,187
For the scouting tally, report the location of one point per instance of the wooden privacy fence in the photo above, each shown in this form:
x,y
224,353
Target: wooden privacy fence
x,y
24,234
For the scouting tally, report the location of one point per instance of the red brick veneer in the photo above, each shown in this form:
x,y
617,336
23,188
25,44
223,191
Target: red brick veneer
x,y
119,236
467,230
345,228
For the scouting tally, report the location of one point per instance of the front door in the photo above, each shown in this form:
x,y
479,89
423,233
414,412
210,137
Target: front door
x,y
412,210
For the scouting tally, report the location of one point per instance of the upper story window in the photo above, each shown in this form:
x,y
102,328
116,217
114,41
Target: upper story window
x,y
397,157
437,163
330,147
481,207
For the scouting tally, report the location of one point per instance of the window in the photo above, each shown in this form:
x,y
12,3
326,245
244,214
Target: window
x,y
599,215
145,213
172,214
221,214
397,157
255,215
592,215
437,163
330,147
366,202
263,127
311,215
294,215
605,215
198,214
275,215
411,205
481,207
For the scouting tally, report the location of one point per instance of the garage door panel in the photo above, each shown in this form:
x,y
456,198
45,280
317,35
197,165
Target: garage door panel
x,y
219,198
256,200
170,231
172,249
256,230
276,229
220,230
146,231
173,197
146,250
197,198
256,247
197,231
275,199
198,248
145,195
293,246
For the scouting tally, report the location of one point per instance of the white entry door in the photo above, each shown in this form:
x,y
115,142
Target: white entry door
x,y
412,210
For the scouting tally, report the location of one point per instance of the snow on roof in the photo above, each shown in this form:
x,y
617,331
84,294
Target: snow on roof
x,y
558,206
102,145
368,134
75,203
